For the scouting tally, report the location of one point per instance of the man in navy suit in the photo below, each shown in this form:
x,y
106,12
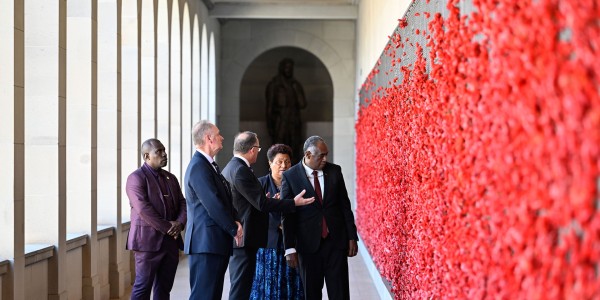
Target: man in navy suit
x,y
319,237
158,213
253,207
212,222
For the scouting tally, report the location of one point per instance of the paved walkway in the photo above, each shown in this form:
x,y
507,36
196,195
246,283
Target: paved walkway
x,y
361,285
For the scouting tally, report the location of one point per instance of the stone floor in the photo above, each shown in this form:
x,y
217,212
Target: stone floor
x,y
361,285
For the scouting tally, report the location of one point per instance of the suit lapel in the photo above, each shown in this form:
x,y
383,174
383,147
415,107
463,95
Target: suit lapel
x,y
219,177
326,184
205,161
301,173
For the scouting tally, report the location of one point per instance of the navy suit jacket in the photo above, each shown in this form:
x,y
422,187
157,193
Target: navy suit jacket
x,y
275,235
302,229
211,217
251,202
149,222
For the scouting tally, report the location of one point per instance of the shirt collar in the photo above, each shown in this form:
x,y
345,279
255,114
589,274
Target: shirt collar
x,y
210,159
242,158
309,171
154,172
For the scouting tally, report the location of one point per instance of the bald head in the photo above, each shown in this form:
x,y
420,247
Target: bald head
x,y
149,145
244,142
154,153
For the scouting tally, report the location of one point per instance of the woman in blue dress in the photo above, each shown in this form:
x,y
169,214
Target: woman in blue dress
x,y
273,279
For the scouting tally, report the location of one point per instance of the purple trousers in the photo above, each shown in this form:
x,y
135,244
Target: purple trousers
x,y
155,271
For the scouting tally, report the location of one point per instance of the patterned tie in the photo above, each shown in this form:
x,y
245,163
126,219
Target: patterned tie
x,y
223,180
216,167
320,198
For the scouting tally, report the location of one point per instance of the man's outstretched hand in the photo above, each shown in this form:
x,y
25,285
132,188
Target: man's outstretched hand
x,y
300,201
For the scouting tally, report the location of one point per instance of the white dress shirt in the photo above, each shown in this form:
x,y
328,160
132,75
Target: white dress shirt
x,y
210,159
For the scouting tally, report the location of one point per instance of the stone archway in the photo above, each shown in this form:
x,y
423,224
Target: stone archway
x,y
317,117
244,40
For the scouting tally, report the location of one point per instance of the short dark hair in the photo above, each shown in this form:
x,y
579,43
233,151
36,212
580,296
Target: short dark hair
x,y
244,141
278,149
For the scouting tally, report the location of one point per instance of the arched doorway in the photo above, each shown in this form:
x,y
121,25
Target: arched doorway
x,y
317,117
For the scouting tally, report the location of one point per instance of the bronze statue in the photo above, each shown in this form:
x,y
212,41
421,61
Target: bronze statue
x,y
285,99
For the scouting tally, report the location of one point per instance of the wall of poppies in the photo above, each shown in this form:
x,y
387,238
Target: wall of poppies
x,y
478,152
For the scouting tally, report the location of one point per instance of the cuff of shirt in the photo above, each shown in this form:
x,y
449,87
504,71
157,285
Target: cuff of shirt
x,y
290,251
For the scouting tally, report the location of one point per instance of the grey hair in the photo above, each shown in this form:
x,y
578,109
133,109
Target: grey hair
x,y
244,141
311,144
201,130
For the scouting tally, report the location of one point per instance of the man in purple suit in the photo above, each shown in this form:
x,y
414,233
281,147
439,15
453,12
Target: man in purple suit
x,y
158,215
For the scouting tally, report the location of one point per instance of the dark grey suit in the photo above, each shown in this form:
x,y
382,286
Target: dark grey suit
x,y
253,209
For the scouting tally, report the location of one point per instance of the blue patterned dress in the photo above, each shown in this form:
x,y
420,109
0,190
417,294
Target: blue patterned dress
x,y
273,279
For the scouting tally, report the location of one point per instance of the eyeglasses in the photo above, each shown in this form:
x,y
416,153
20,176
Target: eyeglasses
x,y
257,147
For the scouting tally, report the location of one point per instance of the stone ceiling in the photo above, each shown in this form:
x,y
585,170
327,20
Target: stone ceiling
x,y
283,9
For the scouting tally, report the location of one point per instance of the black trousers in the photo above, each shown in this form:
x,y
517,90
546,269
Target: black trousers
x,y
242,266
329,263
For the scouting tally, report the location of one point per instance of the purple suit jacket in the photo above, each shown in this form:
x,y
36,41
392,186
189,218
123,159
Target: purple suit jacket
x,y
149,224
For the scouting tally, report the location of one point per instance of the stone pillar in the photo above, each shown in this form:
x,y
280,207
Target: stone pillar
x,y
12,147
